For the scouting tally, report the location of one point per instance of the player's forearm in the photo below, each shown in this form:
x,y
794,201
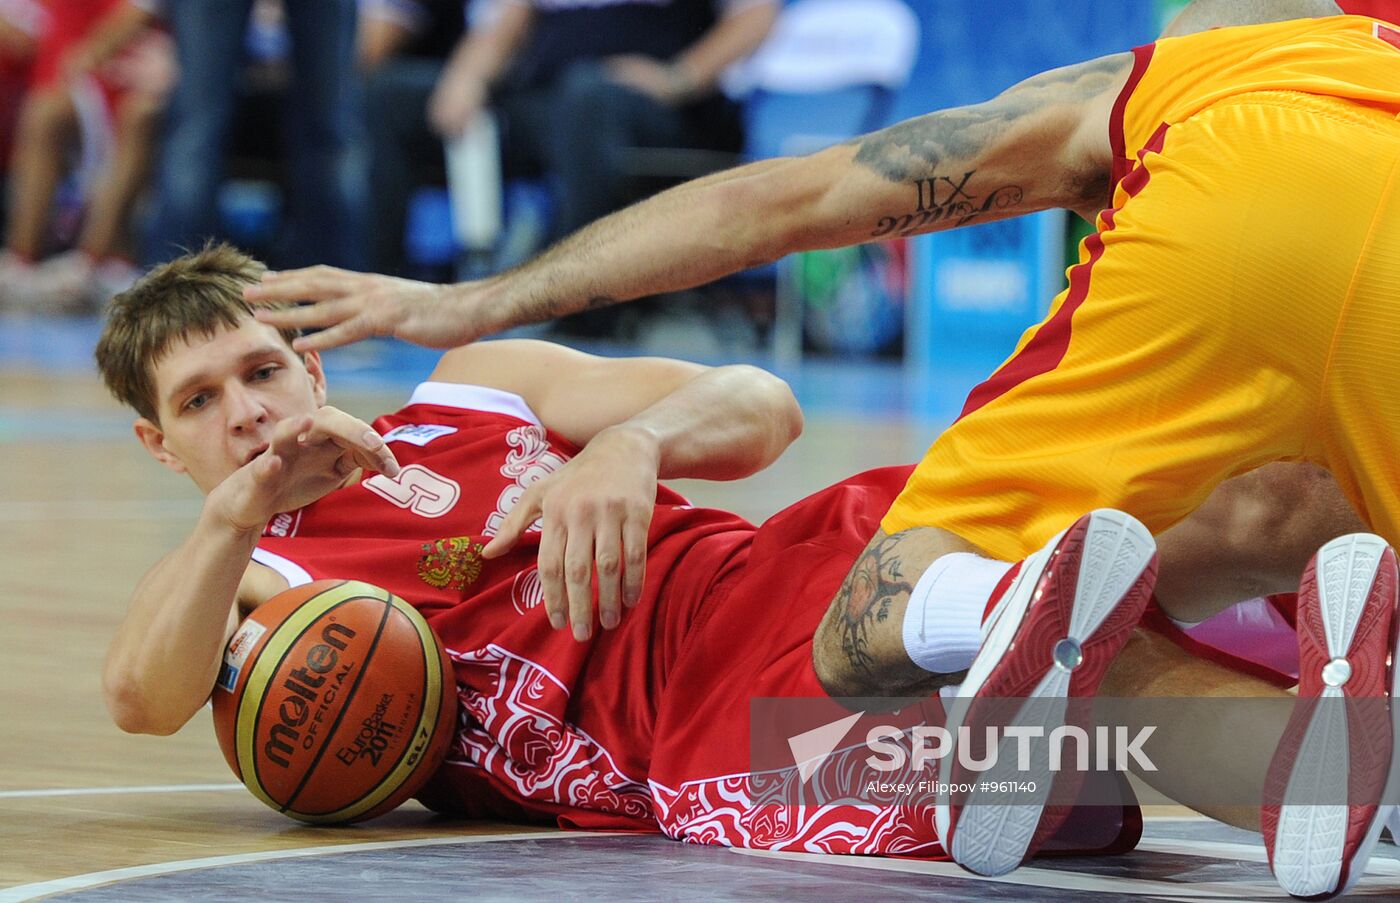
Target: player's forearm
x,y
165,656
731,39
1015,154
687,236
724,424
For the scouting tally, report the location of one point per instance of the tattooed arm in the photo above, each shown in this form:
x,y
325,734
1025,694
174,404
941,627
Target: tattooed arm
x,y
859,648
1042,143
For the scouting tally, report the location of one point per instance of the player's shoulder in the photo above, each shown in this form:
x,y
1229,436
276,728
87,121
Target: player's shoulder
x,y
512,365
528,369
450,404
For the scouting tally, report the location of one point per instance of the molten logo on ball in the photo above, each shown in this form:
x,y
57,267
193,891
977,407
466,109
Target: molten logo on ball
x,y
304,685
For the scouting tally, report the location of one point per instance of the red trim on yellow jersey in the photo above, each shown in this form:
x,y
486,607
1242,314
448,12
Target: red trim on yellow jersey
x,y
1047,347
1122,157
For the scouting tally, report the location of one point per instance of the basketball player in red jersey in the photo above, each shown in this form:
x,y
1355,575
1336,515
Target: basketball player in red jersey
x,y
641,725
1223,316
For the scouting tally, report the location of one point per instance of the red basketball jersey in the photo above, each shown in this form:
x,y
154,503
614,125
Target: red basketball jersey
x,y
642,727
529,745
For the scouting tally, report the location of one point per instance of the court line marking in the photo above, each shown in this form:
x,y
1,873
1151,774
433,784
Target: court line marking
x,y
1029,876
90,880
1052,879
1175,819
102,791
1382,866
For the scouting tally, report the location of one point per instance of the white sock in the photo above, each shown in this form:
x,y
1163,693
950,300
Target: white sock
x,y
943,623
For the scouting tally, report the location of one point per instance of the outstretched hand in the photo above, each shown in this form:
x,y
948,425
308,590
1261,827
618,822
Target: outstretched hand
x,y
596,513
348,307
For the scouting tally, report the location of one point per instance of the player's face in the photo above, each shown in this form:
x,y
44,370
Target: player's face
x,y
220,397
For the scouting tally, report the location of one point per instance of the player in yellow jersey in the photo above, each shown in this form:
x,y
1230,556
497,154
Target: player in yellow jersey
x,y
1235,307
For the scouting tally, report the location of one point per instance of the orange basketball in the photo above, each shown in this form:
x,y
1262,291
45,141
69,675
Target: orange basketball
x,y
335,702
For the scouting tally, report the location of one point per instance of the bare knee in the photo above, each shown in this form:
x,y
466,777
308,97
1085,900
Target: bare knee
x,y
835,671
1281,513
858,649
48,118
139,115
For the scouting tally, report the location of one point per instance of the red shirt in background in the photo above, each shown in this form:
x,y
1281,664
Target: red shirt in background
x,y
1389,10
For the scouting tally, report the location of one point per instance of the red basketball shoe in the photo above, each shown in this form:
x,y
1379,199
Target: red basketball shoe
x,y
1323,800
1053,635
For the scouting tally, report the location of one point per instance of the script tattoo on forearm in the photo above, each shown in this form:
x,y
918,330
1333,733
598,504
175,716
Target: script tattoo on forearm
x,y
944,198
936,155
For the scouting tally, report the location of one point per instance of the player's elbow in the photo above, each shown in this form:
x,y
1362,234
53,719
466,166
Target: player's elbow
x,y
773,408
132,708
784,411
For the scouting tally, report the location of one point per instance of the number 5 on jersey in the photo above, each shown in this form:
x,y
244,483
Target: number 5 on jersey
x,y
417,489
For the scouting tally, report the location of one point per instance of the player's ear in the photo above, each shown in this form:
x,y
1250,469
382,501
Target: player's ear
x,y
153,440
314,369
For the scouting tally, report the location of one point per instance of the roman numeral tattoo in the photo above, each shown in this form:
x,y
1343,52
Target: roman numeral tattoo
x,y
929,152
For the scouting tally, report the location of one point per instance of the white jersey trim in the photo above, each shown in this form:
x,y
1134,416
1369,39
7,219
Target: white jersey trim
x,y
473,398
293,573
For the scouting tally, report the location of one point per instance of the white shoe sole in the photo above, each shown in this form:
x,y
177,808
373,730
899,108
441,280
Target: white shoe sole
x,y
1309,851
990,838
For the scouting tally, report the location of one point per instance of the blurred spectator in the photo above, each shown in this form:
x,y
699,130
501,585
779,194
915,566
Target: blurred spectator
x,y
404,45
573,84
322,128
21,23
100,73
393,31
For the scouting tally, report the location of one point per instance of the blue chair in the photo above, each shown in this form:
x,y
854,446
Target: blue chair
x,y
830,70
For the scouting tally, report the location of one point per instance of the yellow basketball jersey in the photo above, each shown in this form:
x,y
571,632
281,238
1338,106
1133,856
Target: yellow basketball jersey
x,y
1352,58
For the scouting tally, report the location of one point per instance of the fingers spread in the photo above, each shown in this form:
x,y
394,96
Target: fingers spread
x,y
310,284
525,513
307,316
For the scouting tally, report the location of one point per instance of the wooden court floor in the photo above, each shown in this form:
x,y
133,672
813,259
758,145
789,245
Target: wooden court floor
x,y
83,513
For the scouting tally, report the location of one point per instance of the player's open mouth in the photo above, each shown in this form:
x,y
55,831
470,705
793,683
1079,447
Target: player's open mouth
x,y
248,459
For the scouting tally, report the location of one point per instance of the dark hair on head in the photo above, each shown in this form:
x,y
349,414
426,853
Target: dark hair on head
x,y
196,294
